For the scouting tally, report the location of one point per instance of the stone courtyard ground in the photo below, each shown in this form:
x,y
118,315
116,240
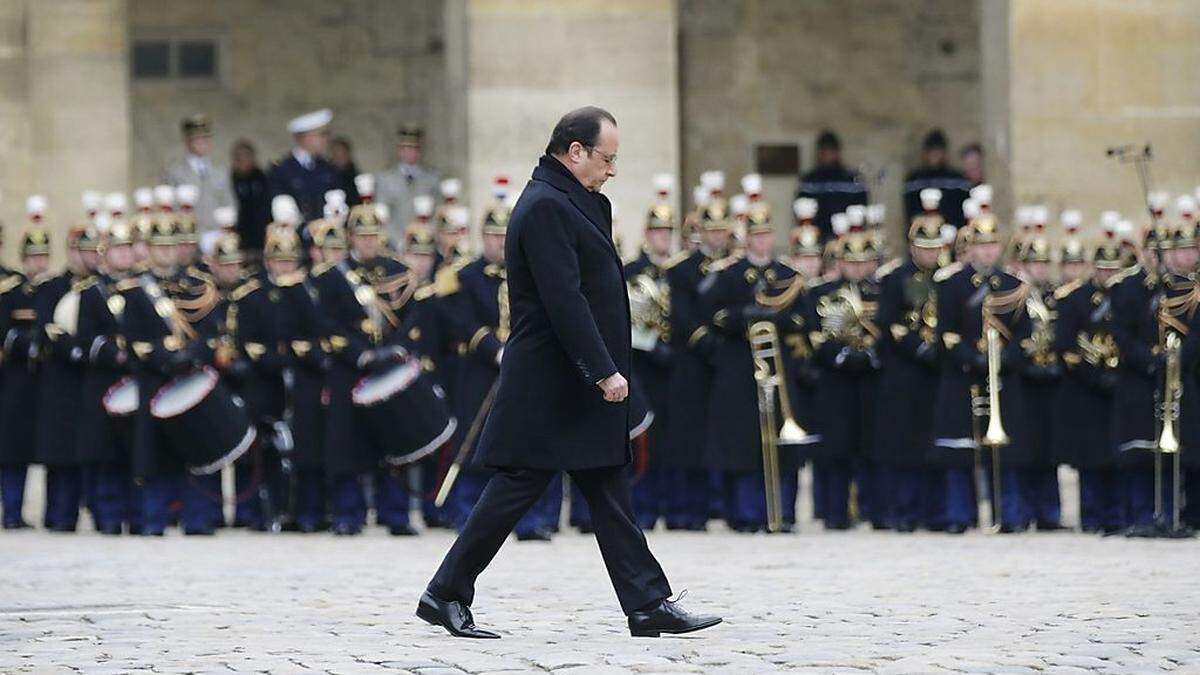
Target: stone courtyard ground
x,y
809,602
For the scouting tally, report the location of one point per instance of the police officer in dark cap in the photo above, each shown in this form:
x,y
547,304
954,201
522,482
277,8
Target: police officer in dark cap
x,y
935,172
830,183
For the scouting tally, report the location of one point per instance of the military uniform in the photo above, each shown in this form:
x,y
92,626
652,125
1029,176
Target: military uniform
x,y
963,294
908,351
834,188
692,380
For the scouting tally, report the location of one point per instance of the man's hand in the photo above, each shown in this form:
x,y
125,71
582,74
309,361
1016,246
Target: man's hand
x,y
615,388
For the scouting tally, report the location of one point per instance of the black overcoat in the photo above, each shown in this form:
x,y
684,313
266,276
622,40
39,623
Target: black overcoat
x,y
570,329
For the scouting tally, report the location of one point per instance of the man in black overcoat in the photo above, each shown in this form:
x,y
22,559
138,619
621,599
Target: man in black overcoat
x,y
562,398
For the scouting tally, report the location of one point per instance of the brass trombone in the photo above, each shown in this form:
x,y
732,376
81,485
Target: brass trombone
x,y
1168,436
994,437
771,377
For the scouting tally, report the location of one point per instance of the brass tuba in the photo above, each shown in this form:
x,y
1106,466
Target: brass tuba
x,y
771,377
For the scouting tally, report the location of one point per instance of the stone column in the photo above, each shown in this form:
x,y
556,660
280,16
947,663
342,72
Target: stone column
x,y
64,107
1065,80
530,61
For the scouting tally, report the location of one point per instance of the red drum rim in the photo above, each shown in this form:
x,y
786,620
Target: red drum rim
x,y
157,403
642,426
112,392
229,457
360,397
427,449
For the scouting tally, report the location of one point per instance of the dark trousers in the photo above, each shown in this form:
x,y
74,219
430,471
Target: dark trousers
x,y
463,496
111,489
310,497
391,497
546,511
904,489
202,502
1101,498
347,502
687,497
958,504
832,498
635,574
64,489
12,491
1044,493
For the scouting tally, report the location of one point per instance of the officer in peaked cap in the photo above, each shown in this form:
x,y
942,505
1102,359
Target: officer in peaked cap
x,y
305,173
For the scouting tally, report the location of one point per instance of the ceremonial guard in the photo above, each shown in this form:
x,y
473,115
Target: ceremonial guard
x,y
982,321
738,296
845,341
18,326
362,299
246,353
1033,487
60,377
101,445
1083,338
911,365
694,348
451,221
650,302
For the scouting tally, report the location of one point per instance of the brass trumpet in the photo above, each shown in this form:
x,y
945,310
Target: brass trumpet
x,y
770,376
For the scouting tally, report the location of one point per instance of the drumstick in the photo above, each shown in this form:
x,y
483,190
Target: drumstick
x,y
465,448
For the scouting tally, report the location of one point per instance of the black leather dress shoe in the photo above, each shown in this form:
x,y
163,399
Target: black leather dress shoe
x,y
955,528
199,531
346,530
452,615
110,529
405,530
668,617
1048,526
16,525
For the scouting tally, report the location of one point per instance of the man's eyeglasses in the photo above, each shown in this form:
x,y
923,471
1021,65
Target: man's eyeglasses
x,y
608,159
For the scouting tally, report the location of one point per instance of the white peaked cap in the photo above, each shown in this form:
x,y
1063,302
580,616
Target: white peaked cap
x,y
335,199
840,223
1109,221
458,215
664,182
1039,214
365,184
805,208
701,196
143,198
948,233
931,198
35,205
310,121
383,211
1071,219
102,222
739,205
983,194
971,210
1185,204
500,187
284,210
164,195
752,184
187,194
451,188
856,215
1124,229
92,200
876,213
1158,200
225,216
713,181
423,205
115,202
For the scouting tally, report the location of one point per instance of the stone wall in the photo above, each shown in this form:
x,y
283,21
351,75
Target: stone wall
x,y
879,72
376,63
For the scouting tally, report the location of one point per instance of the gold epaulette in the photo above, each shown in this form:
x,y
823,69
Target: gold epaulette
x,y
1122,275
81,285
322,268
127,284
199,273
676,259
446,282
289,279
888,267
724,263
425,292
948,271
1066,289
10,282
245,289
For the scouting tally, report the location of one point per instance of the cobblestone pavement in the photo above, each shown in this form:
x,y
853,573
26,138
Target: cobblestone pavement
x,y
808,602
